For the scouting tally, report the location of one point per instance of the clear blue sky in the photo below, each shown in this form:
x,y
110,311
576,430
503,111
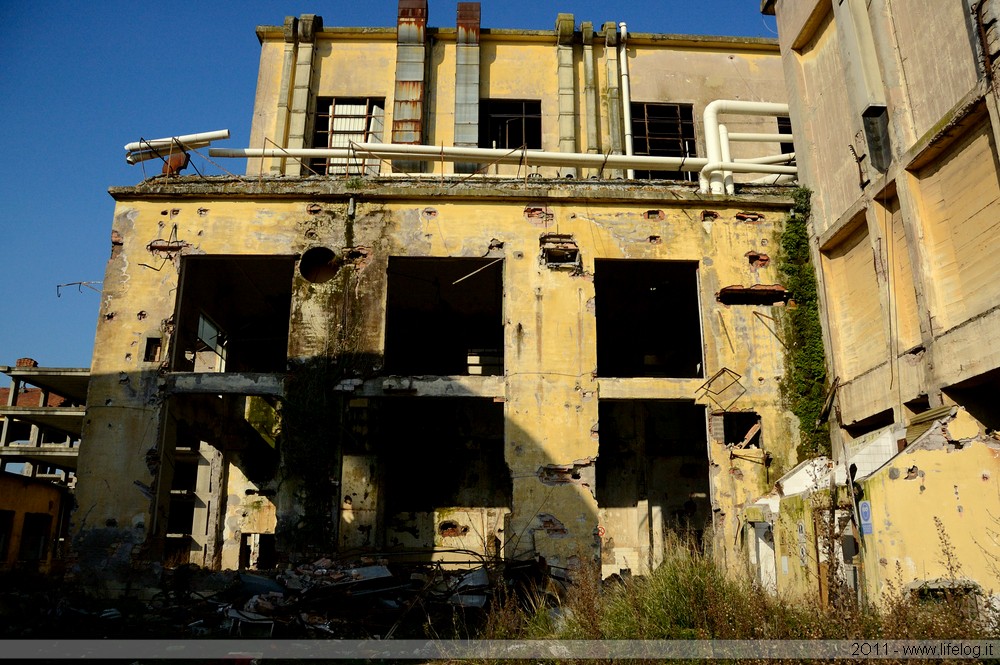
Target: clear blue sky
x,y
78,80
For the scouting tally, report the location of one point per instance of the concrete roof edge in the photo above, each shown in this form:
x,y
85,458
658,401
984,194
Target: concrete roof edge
x,y
555,190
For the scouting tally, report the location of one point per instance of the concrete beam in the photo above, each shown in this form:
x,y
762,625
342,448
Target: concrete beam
x,y
230,383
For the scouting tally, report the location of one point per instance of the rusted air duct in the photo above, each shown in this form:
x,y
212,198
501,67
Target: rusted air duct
x,y
411,58
565,28
467,82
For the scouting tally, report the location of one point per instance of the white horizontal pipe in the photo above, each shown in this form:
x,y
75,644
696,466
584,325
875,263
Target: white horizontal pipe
x,y
713,145
186,139
429,153
773,180
760,138
743,167
770,159
462,154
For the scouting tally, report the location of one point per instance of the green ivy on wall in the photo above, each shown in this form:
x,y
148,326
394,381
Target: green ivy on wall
x,y
804,384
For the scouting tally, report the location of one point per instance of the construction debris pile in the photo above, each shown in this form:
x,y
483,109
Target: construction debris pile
x,y
363,598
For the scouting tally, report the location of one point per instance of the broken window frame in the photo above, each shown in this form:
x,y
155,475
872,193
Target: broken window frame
x,y
340,122
210,337
497,118
656,135
559,251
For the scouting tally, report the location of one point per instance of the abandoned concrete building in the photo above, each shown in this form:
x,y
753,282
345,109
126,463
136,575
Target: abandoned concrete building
x,y
398,352
897,127
40,420
508,293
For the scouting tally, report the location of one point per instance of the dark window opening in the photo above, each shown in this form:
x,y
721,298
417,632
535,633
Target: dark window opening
x,y
979,397
648,318
758,294
177,549
181,517
870,424
342,121
741,429
655,451
455,460
35,537
442,312
6,533
505,123
233,314
152,351
663,130
185,476
257,551
785,127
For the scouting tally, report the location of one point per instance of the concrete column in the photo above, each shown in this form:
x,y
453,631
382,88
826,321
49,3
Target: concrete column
x,y
565,28
590,90
285,91
15,388
467,82
301,110
210,492
920,262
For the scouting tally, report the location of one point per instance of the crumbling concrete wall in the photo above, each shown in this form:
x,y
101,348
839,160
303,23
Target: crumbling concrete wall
x,y
550,387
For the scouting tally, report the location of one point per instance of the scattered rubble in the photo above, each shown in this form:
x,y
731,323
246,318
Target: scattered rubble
x,y
371,597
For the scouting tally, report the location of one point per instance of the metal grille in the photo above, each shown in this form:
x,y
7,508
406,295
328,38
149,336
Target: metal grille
x,y
663,130
341,121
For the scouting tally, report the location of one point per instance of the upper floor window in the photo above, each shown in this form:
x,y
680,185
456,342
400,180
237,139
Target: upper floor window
x,y
785,127
663,130
341,121
506,123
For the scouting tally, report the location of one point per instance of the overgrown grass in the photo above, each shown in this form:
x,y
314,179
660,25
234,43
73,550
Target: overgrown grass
x,y
691,597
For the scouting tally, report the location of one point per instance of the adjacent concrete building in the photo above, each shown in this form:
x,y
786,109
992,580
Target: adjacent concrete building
x,y
41,416
519,330
897,125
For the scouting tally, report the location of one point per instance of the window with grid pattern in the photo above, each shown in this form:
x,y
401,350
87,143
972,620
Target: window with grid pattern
x,y
341,121
663,130
506,123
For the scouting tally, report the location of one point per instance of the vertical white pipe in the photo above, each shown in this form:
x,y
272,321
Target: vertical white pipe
x,y
727,176
626,94
713,145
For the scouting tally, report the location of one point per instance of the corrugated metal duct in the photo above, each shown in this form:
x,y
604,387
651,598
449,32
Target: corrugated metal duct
x,y
411,59
467,82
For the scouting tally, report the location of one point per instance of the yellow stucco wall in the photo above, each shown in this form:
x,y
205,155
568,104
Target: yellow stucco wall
x,y
961,489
